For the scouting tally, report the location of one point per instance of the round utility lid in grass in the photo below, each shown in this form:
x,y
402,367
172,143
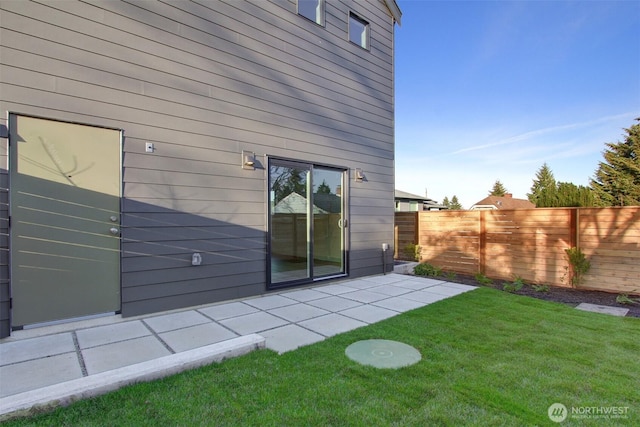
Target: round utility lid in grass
x,y
383,353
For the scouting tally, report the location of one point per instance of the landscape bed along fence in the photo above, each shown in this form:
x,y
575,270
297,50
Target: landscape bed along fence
x,y
528,243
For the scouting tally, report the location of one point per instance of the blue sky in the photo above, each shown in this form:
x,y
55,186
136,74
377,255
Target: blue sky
x,y
492,90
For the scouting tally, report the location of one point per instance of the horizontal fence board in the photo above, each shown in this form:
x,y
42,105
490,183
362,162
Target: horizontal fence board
x,y
613,252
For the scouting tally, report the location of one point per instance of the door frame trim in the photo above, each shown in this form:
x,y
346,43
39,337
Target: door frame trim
x,y
346,215
10,120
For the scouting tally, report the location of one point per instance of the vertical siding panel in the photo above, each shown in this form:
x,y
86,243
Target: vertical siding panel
x,y
4,231
4,236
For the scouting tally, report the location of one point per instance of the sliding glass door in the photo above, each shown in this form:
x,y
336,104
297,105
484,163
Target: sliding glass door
x,y
306,223
289,222
328,222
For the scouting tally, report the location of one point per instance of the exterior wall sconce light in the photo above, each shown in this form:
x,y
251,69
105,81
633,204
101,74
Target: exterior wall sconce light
x,y
359,175
248,160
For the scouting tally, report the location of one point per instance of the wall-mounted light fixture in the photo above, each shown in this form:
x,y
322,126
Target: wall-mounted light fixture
x,y
358,175
248,160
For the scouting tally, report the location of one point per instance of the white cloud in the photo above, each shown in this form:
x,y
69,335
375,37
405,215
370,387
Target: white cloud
x,y
571,150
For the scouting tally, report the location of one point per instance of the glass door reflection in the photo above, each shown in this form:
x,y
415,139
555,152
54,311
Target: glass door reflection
x,y
306,223
290,242
328,222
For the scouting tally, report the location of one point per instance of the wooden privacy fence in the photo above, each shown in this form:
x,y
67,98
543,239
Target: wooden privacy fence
x,y
529,243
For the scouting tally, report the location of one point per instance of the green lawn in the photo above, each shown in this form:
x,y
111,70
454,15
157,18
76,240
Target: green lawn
x,y
489,358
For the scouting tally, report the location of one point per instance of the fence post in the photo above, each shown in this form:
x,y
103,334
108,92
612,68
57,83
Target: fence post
x,y
416,229
483,242
573,228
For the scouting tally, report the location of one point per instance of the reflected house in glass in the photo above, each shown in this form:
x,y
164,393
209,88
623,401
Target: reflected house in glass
x,y
137,135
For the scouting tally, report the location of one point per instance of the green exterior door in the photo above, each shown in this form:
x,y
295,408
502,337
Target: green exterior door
x,y
65,220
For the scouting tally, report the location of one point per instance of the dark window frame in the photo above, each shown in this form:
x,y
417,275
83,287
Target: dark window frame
x,y
319,3
366,27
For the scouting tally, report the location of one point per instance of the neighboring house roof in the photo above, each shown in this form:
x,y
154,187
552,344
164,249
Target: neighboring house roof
x,y
408,196
427,202
394,9
295,203
329,203
505,202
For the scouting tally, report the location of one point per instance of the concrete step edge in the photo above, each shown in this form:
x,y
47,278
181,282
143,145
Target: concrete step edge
x,y
46,398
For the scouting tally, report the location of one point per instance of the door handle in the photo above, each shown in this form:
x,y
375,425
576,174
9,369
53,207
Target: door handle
x,y
342,223
114,231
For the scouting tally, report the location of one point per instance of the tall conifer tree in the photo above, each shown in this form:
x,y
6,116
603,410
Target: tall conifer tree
x,y
455,203
617,179
498,189
543,190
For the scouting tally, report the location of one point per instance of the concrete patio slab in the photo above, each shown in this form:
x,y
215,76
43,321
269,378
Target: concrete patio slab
x,y
331,324
123,353
33,348
289,337
108,334
298,312
253,323
173,321
335,289
33,374
417,284
225,311
369,313
364,296
334,303
362,284
95,385
196,336
390,290
423,297
398,304
385,279
445,290
304,295
604,309
270,301
460,286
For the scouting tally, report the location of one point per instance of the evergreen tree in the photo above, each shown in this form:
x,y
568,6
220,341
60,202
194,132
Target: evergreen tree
x,y
498,189
617,179
543,190
455,204
547,193
571,195
286,181
323,188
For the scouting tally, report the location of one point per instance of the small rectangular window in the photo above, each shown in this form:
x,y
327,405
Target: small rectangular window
x,y
358,31
312,9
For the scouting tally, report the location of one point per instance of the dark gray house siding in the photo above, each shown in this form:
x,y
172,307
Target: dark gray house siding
x,y
202,81
4,242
